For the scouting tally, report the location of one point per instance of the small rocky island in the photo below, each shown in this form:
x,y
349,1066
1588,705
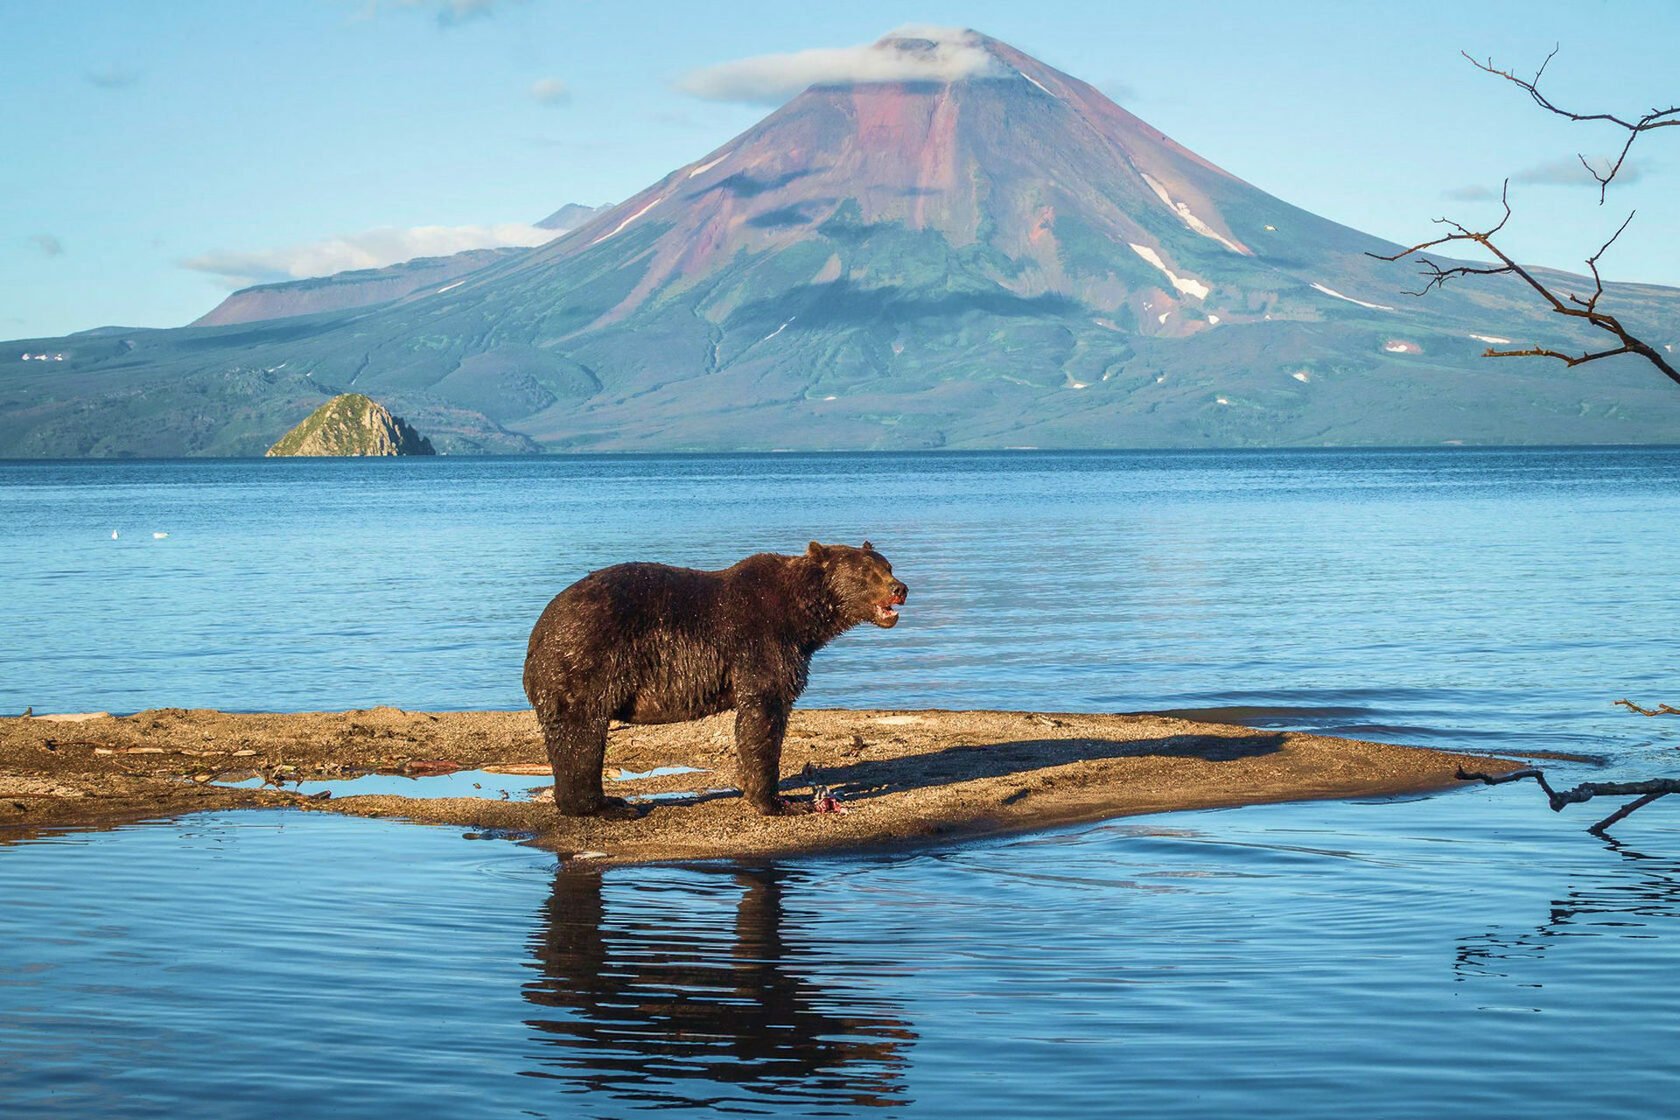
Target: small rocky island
x,y
352,424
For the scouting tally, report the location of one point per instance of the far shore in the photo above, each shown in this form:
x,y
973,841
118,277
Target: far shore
x,y
902,778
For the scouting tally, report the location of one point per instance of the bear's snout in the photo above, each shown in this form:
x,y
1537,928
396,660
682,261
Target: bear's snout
x,y
885,616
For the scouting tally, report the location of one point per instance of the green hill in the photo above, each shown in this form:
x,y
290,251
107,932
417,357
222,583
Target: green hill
x,y
352,425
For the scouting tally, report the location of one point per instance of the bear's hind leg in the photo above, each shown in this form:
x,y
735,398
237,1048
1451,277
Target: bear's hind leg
x,y
577,749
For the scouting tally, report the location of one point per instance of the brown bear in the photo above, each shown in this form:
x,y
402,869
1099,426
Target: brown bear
x,y
649,643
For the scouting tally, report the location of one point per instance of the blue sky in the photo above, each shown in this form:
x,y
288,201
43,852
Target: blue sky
x,y
157,153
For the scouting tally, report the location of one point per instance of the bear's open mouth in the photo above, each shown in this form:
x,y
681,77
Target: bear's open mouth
x,y
885,615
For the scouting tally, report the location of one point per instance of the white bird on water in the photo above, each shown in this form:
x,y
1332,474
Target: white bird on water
x,y
113,534
159,536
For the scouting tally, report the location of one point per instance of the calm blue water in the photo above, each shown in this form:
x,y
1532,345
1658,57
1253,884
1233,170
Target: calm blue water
x,y
1465,955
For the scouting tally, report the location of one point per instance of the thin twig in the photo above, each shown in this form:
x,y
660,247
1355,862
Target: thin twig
x,y
1656,118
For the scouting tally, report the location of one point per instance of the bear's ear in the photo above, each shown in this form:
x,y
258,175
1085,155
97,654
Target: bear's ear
x,y
867,547
816,551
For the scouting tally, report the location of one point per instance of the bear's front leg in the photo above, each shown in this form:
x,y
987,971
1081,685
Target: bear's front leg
x,y
577,749
760,723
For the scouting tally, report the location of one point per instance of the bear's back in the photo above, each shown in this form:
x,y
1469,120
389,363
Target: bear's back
x,y
626,601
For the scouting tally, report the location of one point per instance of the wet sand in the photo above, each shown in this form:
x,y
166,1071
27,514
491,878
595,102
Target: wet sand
x,y
902,777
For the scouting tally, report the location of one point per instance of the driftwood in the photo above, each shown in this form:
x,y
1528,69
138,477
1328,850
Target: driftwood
x,y
1643,792
1659,710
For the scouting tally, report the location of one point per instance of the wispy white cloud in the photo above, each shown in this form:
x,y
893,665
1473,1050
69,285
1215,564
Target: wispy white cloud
x,y
1553,173
915,53
573,144
1121,93
1571,173
448,12
459,9
374,248
48,244
1468,194
112,77
550,91
673,118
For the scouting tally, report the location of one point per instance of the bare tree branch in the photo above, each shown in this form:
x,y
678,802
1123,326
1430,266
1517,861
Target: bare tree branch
x,y
1569,304
1645,792
1656,118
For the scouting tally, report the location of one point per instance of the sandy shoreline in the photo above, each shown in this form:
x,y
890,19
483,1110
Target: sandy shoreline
x,y
903,777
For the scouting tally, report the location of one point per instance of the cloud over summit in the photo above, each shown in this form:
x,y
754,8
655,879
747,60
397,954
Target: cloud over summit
x,y
914,53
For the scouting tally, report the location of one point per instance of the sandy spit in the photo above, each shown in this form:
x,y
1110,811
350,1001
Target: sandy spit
x,y
902,777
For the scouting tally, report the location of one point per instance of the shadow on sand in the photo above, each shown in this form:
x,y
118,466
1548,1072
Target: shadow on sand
x,y
866,778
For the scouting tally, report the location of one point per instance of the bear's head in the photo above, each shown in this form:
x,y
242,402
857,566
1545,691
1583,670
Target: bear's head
x,y
861,581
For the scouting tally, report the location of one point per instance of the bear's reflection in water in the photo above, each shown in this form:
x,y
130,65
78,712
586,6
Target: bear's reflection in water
x,y
666,999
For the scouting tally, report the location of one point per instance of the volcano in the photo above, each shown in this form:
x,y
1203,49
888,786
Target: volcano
x,y
981,252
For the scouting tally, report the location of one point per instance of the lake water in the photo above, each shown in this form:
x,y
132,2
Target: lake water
x,y
1471,954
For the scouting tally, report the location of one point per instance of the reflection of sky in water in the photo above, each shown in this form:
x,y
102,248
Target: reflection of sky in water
x,y
1464,956
462,783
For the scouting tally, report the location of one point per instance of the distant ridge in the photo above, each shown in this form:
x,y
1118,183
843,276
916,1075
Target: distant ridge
x,y
365,287
571,216
342,291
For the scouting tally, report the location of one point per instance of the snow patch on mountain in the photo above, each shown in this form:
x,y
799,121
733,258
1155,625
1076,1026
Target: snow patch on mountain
x,y
1186,284
1350,299
1189,218
708,165
620,227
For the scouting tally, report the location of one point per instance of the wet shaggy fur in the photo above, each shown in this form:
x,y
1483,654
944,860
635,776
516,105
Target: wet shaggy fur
x,y
649,643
